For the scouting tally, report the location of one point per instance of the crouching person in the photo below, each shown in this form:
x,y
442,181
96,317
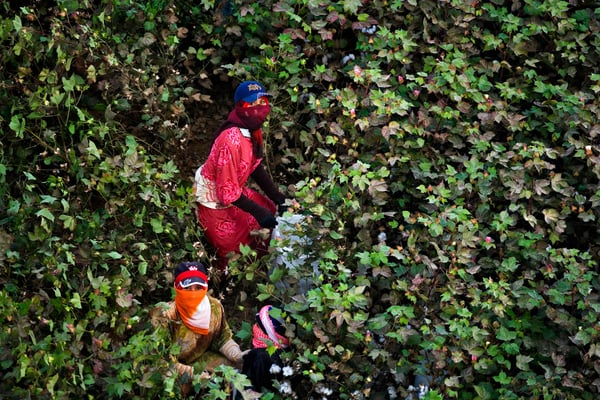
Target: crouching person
x,y
201,329
263,364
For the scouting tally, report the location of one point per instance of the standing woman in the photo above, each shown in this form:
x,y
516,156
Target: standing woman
x,y
228,210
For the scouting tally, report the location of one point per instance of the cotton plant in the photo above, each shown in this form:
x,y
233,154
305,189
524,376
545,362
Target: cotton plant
x,y
284,385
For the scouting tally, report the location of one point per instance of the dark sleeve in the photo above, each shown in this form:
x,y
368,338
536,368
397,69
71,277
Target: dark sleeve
x,y
264,217
263,179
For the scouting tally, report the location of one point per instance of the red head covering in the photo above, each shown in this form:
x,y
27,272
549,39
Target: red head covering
x,y
265,331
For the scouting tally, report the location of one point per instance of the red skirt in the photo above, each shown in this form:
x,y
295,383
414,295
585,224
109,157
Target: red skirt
x,y
227,228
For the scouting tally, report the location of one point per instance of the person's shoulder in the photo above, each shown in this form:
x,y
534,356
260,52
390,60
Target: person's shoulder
x,y
232,135
232,131
214,302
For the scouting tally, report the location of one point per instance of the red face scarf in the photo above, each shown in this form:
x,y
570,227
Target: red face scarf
x,y
253,117
250,118
194,309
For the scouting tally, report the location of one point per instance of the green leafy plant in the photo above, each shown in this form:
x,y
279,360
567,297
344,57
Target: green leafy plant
x,y
444,154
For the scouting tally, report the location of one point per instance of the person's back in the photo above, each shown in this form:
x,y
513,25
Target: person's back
x,y
262,368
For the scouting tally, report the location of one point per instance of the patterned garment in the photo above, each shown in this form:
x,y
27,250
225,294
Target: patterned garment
x,y
221,180
194,346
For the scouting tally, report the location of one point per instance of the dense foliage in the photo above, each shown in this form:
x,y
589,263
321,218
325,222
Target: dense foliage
x,y
445,154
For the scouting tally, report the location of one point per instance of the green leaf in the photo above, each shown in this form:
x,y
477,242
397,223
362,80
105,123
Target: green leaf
x,y
17,124
550,215
352,6
164,97
72,83
143,267
46,199
157,225
503,378
93,150
17,24
523,362
76,300
114,255
68,222
506,334
335,235
68,5
436,229
582,337
331,255
45,213
485,391
557,297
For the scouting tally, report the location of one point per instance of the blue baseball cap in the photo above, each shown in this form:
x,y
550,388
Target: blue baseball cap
x,y
250,91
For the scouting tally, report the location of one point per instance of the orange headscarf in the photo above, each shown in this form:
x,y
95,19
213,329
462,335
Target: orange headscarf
x,y
194,309
193,306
